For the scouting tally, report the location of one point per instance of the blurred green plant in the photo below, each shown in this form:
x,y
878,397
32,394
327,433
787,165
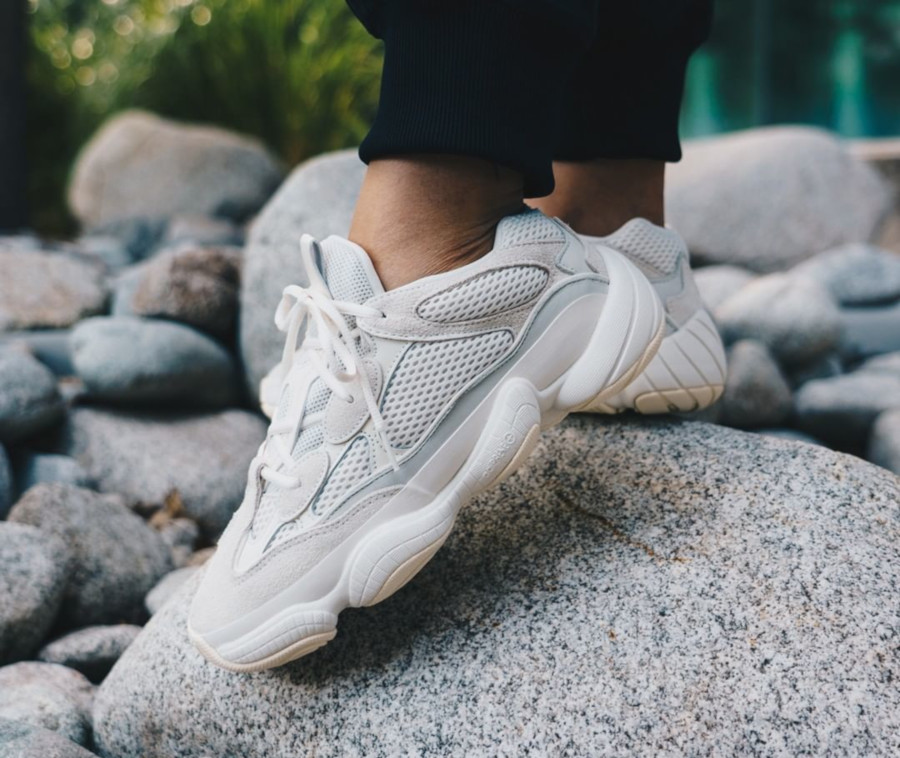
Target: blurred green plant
x,y
302,75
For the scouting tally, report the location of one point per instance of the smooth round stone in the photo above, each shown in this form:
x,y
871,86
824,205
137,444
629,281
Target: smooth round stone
x,y
166,588
29,399
756,392
47,290
33,577
855,274
92,650
141,165
116,557
796,319
131,360
197,286
48,696
717,283
766,199
841,410
49,346
21,740
884,442
639,587
870,331
148,456
50,468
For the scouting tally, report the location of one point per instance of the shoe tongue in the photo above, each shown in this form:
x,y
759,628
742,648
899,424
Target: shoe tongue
x,y
348,271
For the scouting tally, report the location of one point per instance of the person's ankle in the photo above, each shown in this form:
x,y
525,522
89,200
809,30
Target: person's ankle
x,y
597,197
422,215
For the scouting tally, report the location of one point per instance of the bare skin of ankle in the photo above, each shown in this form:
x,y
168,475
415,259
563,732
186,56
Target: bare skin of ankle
x,y
419,215
597,197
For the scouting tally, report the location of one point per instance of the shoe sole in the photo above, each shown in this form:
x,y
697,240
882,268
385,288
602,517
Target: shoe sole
x,y
686,374
496,439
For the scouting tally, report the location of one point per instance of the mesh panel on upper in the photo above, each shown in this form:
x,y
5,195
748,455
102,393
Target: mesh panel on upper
x,y
429,375
485,295
524,228
650,244
345,276
354,466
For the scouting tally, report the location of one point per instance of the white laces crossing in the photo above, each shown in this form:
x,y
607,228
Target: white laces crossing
x,y
333,351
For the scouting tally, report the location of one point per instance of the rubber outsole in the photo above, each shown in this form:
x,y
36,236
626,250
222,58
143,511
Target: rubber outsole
x,y
624,341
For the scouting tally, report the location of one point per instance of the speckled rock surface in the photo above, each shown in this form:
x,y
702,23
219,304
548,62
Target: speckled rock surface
x,y
197,286
42,290
49,696
795,318
641,588
47,468
152,362
116,557
318,199
884,442
20,740
856,274
777,196
167,587
29,400
140,165
841,410
33,577
718,283
148,456
756,392
92,650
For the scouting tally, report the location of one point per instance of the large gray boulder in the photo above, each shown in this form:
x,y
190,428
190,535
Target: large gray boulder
x,y
201,459
29,400
639,587
140,165
317,199
34,572
45,290
150,362
115,557
766,199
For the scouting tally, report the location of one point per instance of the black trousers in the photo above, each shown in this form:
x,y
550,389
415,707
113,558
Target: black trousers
x,y
525,82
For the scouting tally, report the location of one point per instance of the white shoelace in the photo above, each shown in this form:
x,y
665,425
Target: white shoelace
x,y
334,354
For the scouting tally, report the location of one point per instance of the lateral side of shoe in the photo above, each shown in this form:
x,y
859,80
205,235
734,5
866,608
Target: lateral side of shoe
x,y
398,407
688,372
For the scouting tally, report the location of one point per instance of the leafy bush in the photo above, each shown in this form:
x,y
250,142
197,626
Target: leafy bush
x,y
302,75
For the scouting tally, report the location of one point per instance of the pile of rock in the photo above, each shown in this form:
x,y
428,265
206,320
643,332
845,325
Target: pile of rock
x,y
641,583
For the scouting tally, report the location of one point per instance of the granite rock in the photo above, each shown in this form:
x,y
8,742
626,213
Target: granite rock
x,y
756,392
841,410
29,399
48,696
641,587
116,557
778,196
317,199
197,286
855,274
717,283
167,587
6,483
33,577
148,457
49,468
21,740
796,319
149,362
45,290
884,442
140,165
92,650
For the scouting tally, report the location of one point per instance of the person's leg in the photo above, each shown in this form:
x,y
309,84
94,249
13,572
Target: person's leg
x,y
620,123
466,126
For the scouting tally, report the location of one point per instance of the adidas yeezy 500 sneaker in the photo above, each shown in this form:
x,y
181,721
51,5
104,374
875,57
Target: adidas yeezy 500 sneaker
x,y
688,371
398,407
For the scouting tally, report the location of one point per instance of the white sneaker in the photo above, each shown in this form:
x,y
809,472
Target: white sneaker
x,y
688,372
397,408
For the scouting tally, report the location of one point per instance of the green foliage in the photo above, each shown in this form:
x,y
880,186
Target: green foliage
x,y
302,75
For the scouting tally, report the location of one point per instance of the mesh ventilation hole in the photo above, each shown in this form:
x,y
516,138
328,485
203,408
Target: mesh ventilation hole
x,y
485,295
429,375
